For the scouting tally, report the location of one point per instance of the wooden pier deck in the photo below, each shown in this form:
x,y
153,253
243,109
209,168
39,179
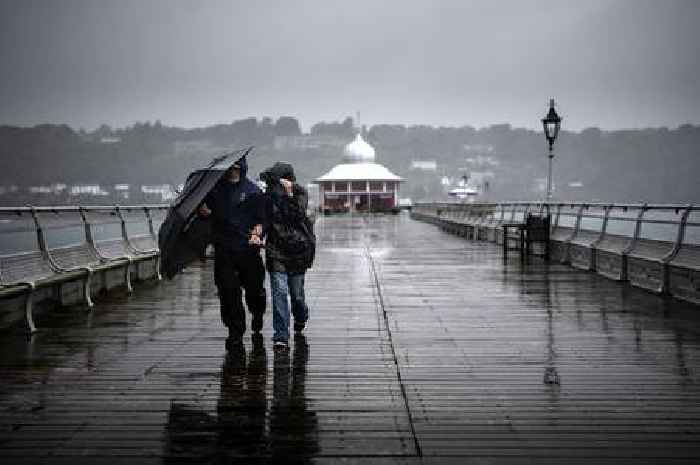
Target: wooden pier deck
x,y
422,348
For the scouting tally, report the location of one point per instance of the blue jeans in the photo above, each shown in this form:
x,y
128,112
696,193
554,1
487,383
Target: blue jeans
x,y
281,286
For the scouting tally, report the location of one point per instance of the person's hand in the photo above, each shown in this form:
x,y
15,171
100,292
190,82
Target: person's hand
x,y
287,184
255,240
204,210
257,230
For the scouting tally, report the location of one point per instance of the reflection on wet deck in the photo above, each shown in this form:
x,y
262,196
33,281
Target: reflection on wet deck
x,y
422,348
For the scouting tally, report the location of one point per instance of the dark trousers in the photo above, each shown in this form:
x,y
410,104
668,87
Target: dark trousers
x,y
233,271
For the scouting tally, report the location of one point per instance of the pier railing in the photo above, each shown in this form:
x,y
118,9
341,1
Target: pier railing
x,y
58,252
653,246
69,253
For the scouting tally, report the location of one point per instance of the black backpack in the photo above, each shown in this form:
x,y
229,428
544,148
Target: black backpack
x,y
295,241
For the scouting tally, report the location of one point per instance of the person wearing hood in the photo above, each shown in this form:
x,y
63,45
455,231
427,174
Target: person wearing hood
x,y
235,209
290,247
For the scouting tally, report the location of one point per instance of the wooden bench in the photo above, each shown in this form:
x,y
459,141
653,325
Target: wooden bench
x,y
508,218
566,222
64,249
140,233
589,233
466,222
472,222
62,236
616,241
624,242
534,230
494,224
537,230
656,241
684,266
483,225
451,217
109,236
481,217
23,272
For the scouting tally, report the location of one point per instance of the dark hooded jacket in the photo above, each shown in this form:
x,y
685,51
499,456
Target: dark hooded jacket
x,y
236,208
290,242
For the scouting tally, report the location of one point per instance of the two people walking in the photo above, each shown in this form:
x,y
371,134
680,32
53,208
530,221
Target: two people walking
x,y
244,219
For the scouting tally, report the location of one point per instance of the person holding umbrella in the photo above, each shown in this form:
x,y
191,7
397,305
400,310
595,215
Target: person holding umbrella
x,y
234,207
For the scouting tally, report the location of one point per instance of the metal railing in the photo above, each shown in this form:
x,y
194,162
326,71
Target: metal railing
x,y
20,227
49,246
653,246
675,223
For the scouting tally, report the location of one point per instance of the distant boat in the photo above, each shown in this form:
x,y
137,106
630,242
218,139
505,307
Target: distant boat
x,y
463,192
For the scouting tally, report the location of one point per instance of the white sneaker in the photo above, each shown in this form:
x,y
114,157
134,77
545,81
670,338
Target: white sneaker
x,y
280,345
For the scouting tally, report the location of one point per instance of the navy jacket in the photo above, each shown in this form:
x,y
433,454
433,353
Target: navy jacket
x,y
236,208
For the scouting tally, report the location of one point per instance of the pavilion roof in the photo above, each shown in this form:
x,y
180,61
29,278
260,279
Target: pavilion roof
x,y
359,172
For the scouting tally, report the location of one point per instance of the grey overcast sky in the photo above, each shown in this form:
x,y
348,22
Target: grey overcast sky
x,y
609,63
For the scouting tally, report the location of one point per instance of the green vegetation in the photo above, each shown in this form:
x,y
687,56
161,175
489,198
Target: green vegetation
x,y
658,165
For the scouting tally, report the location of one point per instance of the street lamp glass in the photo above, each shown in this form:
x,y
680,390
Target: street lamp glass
x,y
551,124
551,129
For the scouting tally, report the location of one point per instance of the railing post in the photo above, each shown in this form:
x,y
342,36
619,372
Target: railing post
x,y
86,226
88,232
41,241
579,216
637,229
555,223
125,234
680,234
43,246
125,237
150,223
604,227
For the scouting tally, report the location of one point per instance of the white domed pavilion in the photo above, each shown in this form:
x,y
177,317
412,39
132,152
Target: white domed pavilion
x,y
359,151
359,184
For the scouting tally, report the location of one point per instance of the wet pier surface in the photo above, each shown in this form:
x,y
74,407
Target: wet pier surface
x,y
421,348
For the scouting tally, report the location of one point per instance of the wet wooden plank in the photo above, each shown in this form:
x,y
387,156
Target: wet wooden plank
x,y
422,348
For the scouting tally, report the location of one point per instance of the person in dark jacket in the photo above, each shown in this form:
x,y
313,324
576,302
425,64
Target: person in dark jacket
x,y
235,208
289,249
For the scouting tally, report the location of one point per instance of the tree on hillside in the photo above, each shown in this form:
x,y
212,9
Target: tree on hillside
x,y
287,126
346,129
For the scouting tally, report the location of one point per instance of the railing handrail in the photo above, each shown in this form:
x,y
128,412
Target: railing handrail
x,y
38,227
651,206
607,212
75,208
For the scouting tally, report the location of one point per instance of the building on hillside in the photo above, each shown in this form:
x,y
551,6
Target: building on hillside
x,y
424,165
307,141
359,184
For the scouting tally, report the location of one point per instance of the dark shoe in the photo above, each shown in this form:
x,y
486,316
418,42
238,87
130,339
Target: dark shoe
x,y
234,344
299,327
234,340
257,343
235,361
257,323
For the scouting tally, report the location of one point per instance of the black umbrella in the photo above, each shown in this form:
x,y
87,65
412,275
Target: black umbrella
x,y
183,237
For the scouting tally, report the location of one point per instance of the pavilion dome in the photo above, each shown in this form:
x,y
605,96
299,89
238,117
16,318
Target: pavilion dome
x,y
359,151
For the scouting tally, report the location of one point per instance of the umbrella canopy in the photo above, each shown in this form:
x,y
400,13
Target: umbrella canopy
x,y
183,237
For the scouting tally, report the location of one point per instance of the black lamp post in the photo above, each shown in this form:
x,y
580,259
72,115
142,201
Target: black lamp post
x,y
551,123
